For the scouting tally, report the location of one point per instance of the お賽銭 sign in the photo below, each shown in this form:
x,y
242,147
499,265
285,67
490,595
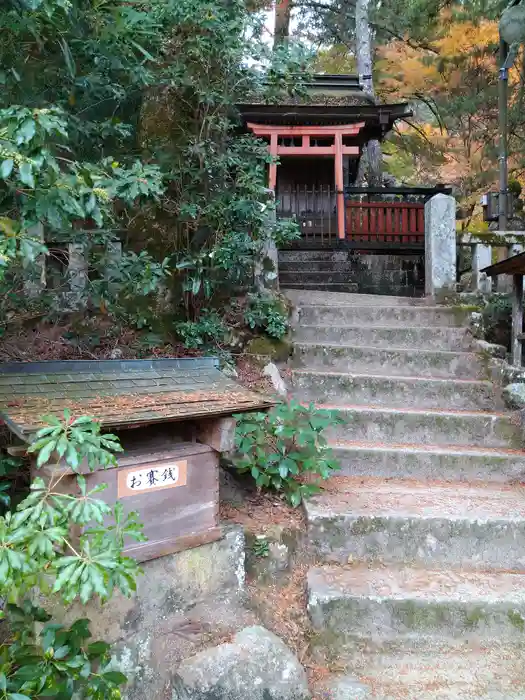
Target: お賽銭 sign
x,y
152,477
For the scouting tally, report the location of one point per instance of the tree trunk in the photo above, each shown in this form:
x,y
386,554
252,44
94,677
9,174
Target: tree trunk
x,y
282,21
372,158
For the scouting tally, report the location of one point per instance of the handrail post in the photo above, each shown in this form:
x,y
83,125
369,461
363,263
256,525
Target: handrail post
x,y
440,245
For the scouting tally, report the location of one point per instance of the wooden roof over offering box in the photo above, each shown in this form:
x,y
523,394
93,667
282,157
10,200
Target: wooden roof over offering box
x,y
120,393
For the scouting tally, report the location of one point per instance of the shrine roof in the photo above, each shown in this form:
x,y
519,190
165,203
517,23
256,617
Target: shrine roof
x,y
372,115
120,393
327,99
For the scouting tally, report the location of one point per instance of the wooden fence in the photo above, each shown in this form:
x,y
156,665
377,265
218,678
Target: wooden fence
x,y
385,224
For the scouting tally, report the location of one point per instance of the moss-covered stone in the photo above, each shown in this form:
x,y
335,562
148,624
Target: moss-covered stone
x,y
516,619
266,349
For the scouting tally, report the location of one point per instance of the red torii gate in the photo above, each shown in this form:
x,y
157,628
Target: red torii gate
x,y
338,150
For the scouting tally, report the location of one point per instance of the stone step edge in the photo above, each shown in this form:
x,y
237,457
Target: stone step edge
x,y
322,327
414,411
473,451
432,595
338,497
395,378
407,307
373,348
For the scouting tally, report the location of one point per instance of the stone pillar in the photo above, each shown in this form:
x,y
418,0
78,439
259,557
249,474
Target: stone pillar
x,y
77,273
267,262
35,273
440,245
481,258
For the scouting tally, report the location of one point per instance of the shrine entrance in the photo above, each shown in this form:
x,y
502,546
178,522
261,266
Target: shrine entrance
x,y
319,142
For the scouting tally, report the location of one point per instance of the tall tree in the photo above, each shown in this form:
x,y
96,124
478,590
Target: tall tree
x,y
371,164
283,11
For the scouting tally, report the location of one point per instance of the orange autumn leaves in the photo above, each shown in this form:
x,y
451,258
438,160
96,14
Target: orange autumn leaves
x,y
462,47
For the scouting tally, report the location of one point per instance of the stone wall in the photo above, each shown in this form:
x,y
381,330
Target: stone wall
x,y
184,602
343,270
400,275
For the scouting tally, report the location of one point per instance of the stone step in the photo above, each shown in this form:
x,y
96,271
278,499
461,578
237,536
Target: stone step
x,y
300,256
384,602
389,363
372,315
320,286
331,299
434,462
479,525
431,669
342,389
418,427
458,339
315,265
300,277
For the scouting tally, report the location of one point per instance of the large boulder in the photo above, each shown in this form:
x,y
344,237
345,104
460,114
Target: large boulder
x,y
514,396
255,665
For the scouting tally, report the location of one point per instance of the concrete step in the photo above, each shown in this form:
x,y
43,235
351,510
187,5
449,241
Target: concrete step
x,y
301,256
418,427
479,525
458,339
300,298
339,388
435,670
394,362
384,602
372,315
433,462
320,286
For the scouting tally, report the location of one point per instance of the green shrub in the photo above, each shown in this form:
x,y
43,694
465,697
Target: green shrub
x,y
40,556
497,320
208,331
268,314
285,447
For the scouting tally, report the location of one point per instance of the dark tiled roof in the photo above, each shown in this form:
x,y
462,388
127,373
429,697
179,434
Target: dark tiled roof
x,y
120,393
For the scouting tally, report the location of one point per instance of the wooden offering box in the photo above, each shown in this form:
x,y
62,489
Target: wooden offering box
x,y
175,490
160,409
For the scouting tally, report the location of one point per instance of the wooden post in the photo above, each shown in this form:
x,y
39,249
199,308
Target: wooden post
x,y
339,185
517,319
272,181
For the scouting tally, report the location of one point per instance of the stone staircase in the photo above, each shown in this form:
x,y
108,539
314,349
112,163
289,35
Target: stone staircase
x,y
419,587
351,271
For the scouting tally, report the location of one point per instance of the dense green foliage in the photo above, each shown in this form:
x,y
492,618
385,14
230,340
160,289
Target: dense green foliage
x,y
119,121
40,555
268,314
285,449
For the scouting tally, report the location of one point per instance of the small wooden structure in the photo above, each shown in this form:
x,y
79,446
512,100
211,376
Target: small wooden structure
x,y
172,417
317,141
514,266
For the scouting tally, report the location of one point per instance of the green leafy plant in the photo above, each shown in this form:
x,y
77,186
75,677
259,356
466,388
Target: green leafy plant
x,y
267,313
9,466
261,547
59,543
59,662
285,449
75,439
208,331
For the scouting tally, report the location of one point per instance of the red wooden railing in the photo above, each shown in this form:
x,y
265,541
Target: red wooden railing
x,y
385,222
374,219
